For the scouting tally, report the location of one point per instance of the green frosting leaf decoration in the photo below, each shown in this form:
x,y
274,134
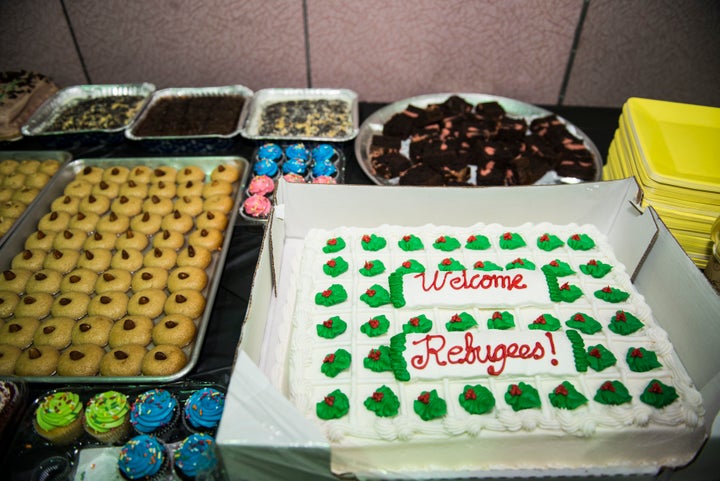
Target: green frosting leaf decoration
x,y
335,267
522,396
398,364
501,320
334,406
658,394
461,322
624,323
611,294
549,242
578,350
331,328
383,402
595,268
372,268
565,396
477,242
640,359
511,240
599,357
376,296
486,266
559,268
335,294
584,323
378,360
417,324
450,264
565,292
430,406
410,266
520,263
372,242
410,243
446,243
334,363
476,399
545,322
333,245
612,393
377,326
580,242
397,289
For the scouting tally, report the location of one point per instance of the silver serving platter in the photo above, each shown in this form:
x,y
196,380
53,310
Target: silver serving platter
x,y
265,97
55,188
373,125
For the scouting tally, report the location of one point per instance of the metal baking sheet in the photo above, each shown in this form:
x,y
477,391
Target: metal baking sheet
x,y
28,224
266,97
63,157
373,125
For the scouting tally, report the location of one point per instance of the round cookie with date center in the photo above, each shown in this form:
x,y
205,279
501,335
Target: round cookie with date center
x,y
190,188
79,280
169,239
222,203
123,361
19,332
175,329
108,189
113,223
157,205
195,256
97,204
226,172
96,260
116,173
163,360
80,360
70,239
30,259
187,277
35,305
40,240
134,188
212,219
66,203
54,221
61,260
190,173
70,304
78,188
37,361
190,205
131,240
177,221
127,205
92,330
132,329
8,357
112,304
140,173
90,173
148,302
8,301
210,239
162,257
55,332
98,240
44,280
216,187
84,221
14,280
117,280
163,188
149,278
146,223
186,302
163,173
128,259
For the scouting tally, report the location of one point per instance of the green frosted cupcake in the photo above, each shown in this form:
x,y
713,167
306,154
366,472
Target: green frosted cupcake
x,y
58,418
107,417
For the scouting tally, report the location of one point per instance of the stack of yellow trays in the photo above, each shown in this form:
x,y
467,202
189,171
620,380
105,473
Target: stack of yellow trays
x,y
673,150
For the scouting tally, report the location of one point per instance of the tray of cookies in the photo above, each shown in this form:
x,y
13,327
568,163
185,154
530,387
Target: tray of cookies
x,y
106,433
112,275
23,174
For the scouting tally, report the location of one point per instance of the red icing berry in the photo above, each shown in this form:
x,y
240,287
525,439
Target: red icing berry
x,y
370,292
561,390
607,386
544,238
377,396
332,242
327,293
656,388
470,394
407,238
497,315
374,323
328,323
607,289
636,353
440,240
507,236
446,262
329,358
424,398
579,317
415,321
374,354
472,238
518,261
554,263
455,318
592,262
595,352
331,263
479,264
368,265
620,316
575,237
329,400
540,320
366,238
515,390
565,287
406,264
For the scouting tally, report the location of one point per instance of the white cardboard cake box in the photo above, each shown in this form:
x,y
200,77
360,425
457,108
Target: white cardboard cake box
x,y
263,437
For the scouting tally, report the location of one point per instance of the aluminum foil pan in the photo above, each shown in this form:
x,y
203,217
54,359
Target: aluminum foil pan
x,y
15,244
322,115
373,125
40,123
189,144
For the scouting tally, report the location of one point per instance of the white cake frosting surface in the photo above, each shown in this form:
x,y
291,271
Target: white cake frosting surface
x,y
512,333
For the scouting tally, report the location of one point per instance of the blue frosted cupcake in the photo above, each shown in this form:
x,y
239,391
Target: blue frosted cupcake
x,y
195,456
265,167
324,153
270,152
324,168
143,457
294,166
297,151
155,412
203,410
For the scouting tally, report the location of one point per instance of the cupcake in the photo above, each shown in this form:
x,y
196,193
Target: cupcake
x,y
58,418
265,167
261,185
269,152
297,151
195,456
155,412
324,168
294,178
324,179
324,153
294,166
107,417
203,410
257,206
143,457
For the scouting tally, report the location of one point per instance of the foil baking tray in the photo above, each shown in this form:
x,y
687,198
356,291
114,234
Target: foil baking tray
x,y
61,156
373,125
39,124
189,144
28,225
343,127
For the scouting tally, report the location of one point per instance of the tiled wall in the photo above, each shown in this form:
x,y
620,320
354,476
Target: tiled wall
x,y
575,52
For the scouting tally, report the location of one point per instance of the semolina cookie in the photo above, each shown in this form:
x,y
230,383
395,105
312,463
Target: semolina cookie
x,y
149,278
97,260
146,223
113,223
54,221
187,277
195,256
14,280
140,173
217,187
70,239
157,205
164,173
190,205
66,203
162,257
186,302
128,259
99,240
163,189
37,361
107,189
98,204
176,330
5,224
8,357
35,305
211,239
55,332
84,221
38,180
70,304
12,208
19,332
132,329
79,280
44,280
61,260
28,166
190,188
112,304
25,195
148,302
169,239
5,194
8,166
222,203
226,172
117,174
177,221
14,181
49,166
132,240
8,301
30,259
90,173
127,205
123,361
190,173
78,188
117,280
212,219
80,360
133,188
92,330
163,360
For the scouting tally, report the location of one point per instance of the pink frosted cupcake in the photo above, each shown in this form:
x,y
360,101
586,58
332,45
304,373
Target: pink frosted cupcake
x,y
257,206
324,179
294,178
261,185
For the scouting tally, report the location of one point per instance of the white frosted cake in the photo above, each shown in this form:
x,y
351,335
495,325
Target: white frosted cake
x,y
439,349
